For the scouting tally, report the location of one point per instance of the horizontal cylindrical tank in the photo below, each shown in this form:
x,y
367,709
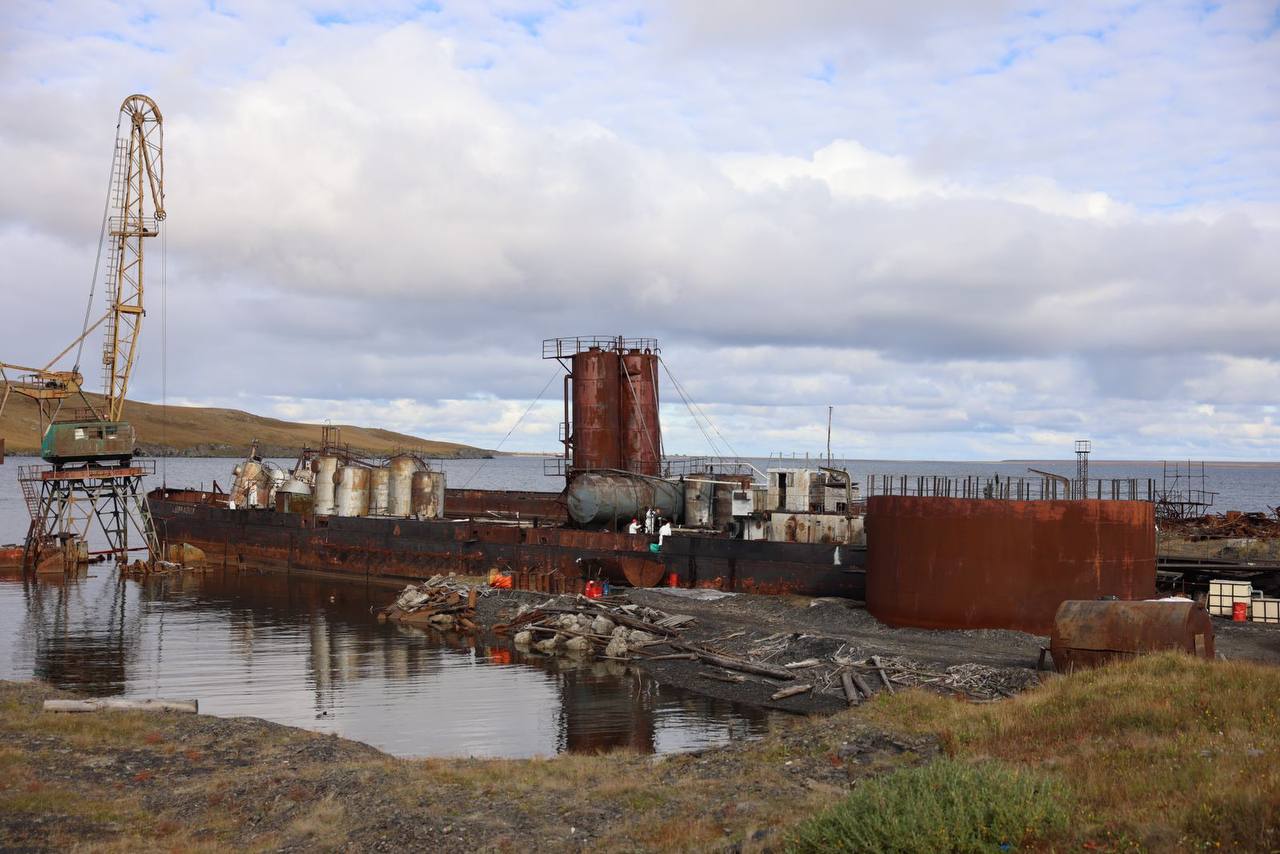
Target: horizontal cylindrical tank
x,y
963,563
326,468
379,491
400,485
351,491
641,429
596,424
427,496
1089,633
603,497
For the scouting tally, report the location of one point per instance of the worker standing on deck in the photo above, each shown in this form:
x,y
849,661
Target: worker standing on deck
x,y
650,520
664,531
634,527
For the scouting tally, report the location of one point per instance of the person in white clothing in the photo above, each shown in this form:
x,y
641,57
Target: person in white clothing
x,y
664,531
634,527
650,520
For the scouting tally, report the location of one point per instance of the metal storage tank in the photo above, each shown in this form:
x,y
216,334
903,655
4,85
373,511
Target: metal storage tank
x,y
699,501
1089,633
326,469
400,486
427,496
641,428
600,498
379,491
596,419
963,563
351,490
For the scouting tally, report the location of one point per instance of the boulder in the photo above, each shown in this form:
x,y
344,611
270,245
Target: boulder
x,y
602,626
523,638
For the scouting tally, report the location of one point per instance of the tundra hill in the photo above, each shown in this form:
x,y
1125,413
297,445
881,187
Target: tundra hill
x,y
193,431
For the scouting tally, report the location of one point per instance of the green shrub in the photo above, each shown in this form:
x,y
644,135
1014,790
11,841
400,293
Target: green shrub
x,y
947,805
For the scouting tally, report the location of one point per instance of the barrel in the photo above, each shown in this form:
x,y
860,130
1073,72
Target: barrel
x,y
1239,612
1089,633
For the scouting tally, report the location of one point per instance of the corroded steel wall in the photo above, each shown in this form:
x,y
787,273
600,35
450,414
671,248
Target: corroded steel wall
x,y
596,416
961,563
641,427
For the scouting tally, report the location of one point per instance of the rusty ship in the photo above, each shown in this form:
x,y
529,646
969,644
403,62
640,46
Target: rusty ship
x,y
728,525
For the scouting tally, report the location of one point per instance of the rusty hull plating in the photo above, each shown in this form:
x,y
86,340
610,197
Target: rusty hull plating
x,y
1089,633
952,563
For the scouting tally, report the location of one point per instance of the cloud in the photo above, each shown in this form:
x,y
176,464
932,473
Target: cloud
x,y
962,236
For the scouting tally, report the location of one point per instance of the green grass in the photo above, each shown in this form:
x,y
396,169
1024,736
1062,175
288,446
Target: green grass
x,y
946,806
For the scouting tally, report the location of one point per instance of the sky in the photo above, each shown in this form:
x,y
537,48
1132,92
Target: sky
x,y
978,230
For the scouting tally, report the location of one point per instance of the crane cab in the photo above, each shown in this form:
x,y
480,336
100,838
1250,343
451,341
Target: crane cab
x,y
88,441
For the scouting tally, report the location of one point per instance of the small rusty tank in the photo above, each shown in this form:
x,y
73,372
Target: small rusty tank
x,y
596,424
379,491
325,468
351,490
1089,633
400,486
427,496
603,498
641,429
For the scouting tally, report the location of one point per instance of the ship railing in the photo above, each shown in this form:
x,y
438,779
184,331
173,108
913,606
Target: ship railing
x,y
1012,488
562,348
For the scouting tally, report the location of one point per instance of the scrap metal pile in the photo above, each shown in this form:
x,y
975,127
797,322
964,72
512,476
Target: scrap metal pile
x,y
1230,525
607,626
439,602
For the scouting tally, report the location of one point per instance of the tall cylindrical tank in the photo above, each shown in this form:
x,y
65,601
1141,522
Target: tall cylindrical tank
x,y
603,497
641,429
427,496
379,491
698,501
326,469
351,491
596,419
400,485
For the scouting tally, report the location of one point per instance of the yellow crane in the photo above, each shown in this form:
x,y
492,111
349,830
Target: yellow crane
x,y
135,209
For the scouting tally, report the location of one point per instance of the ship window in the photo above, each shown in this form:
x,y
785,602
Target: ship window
x,y
79,432
111,431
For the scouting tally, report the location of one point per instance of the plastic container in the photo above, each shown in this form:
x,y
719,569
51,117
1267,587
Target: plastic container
x,y
1239,612
673,580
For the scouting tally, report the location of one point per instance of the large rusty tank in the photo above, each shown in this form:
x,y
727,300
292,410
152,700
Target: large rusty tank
x,y
379,491
427,496
596,424
962,563
326,468
351,490
1089,633
400,485
641,429
603,498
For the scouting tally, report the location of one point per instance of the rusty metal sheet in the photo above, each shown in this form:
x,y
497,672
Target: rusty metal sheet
x,y
962,563
1089,633
548,506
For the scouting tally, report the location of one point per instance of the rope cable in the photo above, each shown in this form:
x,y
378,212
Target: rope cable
x,y
527,410
164,357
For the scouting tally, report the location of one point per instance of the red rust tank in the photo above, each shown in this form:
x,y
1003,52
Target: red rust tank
x,y
1089,633
596,423
963,563
641,427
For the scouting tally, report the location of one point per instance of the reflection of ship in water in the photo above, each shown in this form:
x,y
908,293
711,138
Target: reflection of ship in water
x,y
307,652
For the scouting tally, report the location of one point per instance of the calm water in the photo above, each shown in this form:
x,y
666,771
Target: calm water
x,y
307,653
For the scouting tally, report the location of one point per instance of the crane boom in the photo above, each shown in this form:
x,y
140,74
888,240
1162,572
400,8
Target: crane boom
x,y
138,199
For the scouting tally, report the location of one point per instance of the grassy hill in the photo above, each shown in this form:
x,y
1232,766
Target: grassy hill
x,y
192,431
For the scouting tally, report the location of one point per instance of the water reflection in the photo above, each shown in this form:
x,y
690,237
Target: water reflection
x,y
308,653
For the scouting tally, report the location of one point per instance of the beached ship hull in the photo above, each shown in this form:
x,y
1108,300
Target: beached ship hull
x,y
544,557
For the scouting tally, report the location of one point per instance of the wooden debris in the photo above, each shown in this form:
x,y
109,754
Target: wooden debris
x,y
797,665
790,692
862,685
189,707
850,692
884,677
